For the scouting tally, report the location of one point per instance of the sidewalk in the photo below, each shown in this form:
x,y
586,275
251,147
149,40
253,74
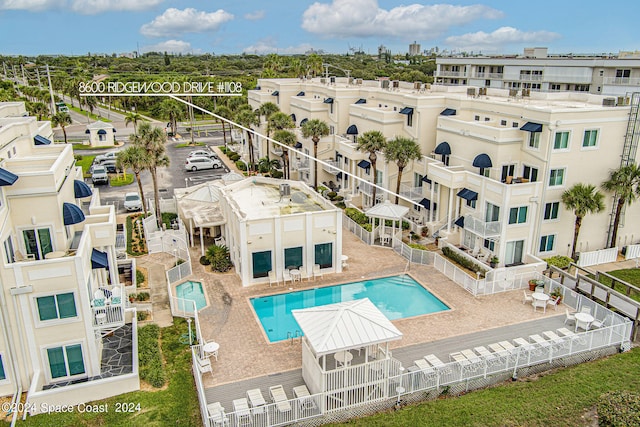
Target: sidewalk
x,y
157,287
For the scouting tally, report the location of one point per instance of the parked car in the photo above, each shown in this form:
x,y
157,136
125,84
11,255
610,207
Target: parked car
x,y
110,165
99,175
132,202
111,155
198,163
203,153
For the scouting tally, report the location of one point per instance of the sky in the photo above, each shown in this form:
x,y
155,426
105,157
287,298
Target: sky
x,y
77,27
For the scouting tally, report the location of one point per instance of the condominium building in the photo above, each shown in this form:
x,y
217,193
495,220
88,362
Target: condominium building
x,y
67,335
536,70
493,167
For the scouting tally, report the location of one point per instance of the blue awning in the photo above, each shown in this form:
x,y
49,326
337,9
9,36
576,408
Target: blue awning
x,y
460,222
364,164
426,203
448,112
87,131
406,110
482,161
99,259
293,117
303,121
298,145
71,214
41,140
300,94
339,176
257,88
352,130
532,127
114,130
275,93
102,132
7,178
443,148
81,189
361,101
425,179
328,101
467,194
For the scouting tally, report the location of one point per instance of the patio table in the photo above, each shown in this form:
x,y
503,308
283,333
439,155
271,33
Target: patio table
x,y
343,357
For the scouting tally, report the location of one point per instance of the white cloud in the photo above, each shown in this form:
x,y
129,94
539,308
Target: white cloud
x,y
264,47
364,18
171,46
255,16
91,7
31,5
175,21
495,40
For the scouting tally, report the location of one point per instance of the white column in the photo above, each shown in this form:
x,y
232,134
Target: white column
x,y
449,210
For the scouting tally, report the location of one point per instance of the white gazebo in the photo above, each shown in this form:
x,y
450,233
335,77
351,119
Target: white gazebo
x,y
345,351
199,209
386,211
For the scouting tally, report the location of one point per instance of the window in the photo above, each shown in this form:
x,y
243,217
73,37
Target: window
x,y
261,263
555,86
378,177
489,244
37,242
477,118
503,122
3,375
493,213
590,138
293,257
623,73
507,170
8,250
514,252
546,243
581,88
409,120
515,124
530,173
472,203
486,119
417,180
534,139
601,73
65,361
324,255
60,306
556,177
518,215
551,210
485,171
562,141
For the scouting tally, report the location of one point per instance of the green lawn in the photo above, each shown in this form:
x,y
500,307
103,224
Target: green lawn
x,y
629,275
197,144
562,398
91,115
78,147
116,180
176,405
85,162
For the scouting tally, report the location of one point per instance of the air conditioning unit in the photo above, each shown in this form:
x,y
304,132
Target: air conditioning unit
x,y
513,93
526,92
385,84
417,85
610,102
471,91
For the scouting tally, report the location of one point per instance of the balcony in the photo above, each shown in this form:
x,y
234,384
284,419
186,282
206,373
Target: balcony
x,y
481,228
413,193
302,165
489,75
622,81
451,74
531,77
334,167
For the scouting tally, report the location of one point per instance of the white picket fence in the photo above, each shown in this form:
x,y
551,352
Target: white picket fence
x,y
601,256
633,251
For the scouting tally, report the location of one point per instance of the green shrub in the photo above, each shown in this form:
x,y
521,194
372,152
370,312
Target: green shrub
x,y
367,227
234,156
204,260
341,205
461,260
139,277
338,199
418,246
357,216
219,258
276,174
241,165
150,359
331,195
143,296
618,409
223,149
405,225
142,315
558,261
168,218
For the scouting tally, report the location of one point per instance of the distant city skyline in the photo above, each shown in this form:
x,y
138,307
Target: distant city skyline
x,y
77,27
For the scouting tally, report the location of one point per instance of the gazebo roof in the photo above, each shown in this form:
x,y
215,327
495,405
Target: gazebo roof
x,y
388,210
345,325
200,204
230,177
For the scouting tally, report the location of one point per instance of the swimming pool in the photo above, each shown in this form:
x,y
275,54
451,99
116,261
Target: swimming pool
x,y
193,291
397,297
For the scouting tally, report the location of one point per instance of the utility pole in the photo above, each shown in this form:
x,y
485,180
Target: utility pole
x,y
38,74
53,104
4,66
24,79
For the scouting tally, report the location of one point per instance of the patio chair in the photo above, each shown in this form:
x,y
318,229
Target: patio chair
x,y
286,275
570,317
116,295
527,298
204,365
316,271
476,250
243,414
554,302
273,278
304,397
280,398
303,274
599,324
18,256
586,309
539,304
217,415
99,299
256,400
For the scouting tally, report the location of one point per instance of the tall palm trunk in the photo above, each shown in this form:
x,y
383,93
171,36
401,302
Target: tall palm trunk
x,y
616,222
315,163
144,203
373,158
156,195
285,156
64,132
224,134
251,159
400,169
576,232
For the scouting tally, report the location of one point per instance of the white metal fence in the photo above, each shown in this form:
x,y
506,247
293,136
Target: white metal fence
x,y
633,251
355,228
601,256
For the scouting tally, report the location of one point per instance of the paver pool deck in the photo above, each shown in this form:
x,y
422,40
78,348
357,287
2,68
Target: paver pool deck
x,y
245,351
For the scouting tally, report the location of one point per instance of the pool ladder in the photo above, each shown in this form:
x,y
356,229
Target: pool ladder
x,y
292,336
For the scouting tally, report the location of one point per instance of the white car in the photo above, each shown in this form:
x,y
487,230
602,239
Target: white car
x,y
132,202
111,155
198,163
202,153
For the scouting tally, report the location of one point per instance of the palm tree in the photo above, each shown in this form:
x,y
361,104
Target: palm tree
x,y
266,165
582,199
136,158
279,121
248,118
372,142
624,182
132,117
63,120
39,109
267,110
225,112
315,129
152,140
174,111
314,64
401,150
91,102
287,138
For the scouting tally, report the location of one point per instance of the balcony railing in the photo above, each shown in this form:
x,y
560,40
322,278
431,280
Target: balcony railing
x,y
531,77
108,316
622,81
451,74
301,165
481,228
489,75
411,192
333,169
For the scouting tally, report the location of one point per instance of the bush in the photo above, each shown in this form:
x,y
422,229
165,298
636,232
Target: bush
x,y
234,156
168,218
367,227
139,277
405,225
619,408
357,216
143,296
341,205
223,149
559,261
219,258
461,260
151,369
204,260
241,165
418,246
338,199
142,315
276,174
331,195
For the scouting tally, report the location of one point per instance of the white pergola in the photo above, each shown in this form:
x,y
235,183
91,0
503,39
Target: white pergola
x,y
199,207
384,211
333,328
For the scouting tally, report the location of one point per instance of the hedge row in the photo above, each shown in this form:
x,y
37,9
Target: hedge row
x,y
151,368
463,261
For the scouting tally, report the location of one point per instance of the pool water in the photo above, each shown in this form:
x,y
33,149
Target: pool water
x,y
397,297
193,291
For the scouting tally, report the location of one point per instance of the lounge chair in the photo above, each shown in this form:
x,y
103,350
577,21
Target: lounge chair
x,y
434,361
280,398
539,304
316,271
217,415
243,414
204,365
273,278
304,397
256,400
